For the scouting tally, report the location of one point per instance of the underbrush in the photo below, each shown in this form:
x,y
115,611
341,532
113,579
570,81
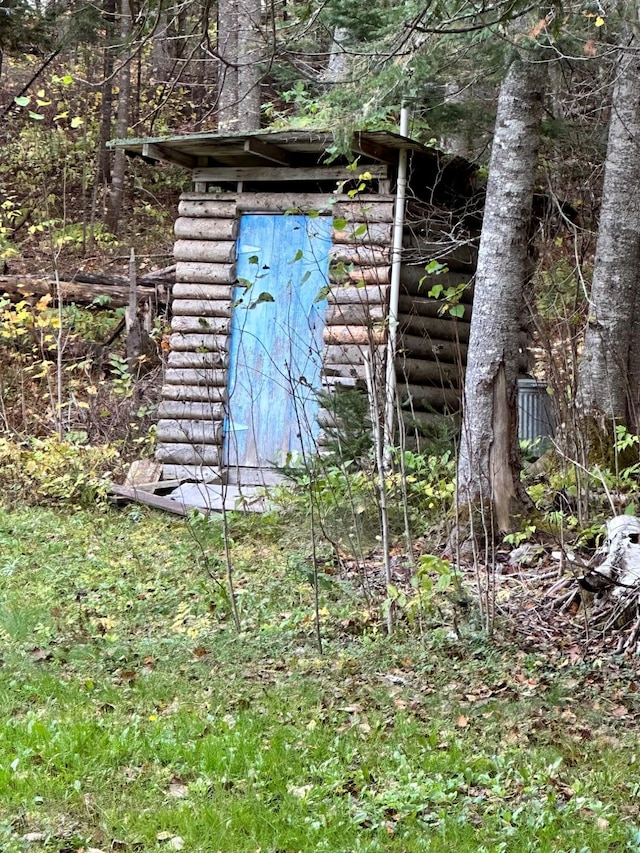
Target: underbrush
x,y
133,716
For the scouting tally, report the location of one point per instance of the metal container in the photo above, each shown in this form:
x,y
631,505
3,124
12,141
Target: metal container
x,y
535,415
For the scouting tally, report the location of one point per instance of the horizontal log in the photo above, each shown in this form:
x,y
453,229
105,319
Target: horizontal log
x,y
201,307
440,328
415,280
197,360
364,233
198,432
199,473
188,454
372,208
425,422
191,410
226,174
355,315
338,383
332,372
429,307
185,342
451,351
204,292
351,295
114,296
197,377
204,252
460,257
190,228
417,371
360,275
201,325
425,397
188,272
195,393
353,335
366,256
346,354
209,207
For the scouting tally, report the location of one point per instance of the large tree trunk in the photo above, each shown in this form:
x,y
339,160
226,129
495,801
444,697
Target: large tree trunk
x,y
608,386
489,464
228,70
104,155
116,192
239,49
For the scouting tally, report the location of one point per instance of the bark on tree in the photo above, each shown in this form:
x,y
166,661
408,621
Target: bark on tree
x,y
116,191
239,34
609,374
489,463
104,155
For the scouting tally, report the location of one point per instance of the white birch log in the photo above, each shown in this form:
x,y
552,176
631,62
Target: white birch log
x,y
197,360
204,251
199,378
191,342
197,431
209,394
189,324
188,454
189,228
204,274
190,410
201,307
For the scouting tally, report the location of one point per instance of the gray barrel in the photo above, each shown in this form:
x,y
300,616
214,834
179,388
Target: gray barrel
x,y
535,416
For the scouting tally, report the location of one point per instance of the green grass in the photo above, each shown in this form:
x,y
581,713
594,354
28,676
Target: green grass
x,y
134,717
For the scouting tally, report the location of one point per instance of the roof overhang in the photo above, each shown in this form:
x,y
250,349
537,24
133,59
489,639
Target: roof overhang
x,y
284,148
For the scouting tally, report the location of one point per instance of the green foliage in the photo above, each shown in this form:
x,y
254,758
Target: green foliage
x,y
48,471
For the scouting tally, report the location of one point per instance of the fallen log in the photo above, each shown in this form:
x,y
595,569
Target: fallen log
x,y
82,293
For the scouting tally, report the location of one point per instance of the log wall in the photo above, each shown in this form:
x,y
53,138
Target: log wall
x,y
191,416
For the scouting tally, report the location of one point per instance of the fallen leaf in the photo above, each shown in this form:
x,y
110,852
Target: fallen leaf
x,y
602,823
619,711
178,789
462,722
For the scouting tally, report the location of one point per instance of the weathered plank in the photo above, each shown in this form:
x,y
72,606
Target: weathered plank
x,y
200,325
190,410
190,228
370,208
201,307
364,233
197,393
353,335
205,274
348,277
197,359
197,431
226,174
355,315
191,342
149,499
199,473
188,454
198,377
203,251
365,256
351,295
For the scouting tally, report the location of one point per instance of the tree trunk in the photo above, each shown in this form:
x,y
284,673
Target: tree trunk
x,y
609,373
104,155
489,464
228,70
249,100
116,192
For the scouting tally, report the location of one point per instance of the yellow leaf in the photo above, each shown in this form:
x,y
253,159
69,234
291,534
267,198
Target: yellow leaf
x,y
599,21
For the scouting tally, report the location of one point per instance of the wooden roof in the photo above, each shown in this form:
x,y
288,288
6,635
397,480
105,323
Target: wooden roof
x,y
293,148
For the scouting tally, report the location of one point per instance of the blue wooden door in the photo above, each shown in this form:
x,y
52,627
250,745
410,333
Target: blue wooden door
x,y
276,338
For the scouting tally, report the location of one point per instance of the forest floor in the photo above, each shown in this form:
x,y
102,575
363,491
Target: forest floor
x,y
135,717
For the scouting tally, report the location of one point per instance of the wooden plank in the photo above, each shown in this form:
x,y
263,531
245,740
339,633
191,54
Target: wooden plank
x,y
200,325
171,430
185,342
353,335
157,151
268,151
191,228
347,354
204,251
190,410
201,308
360,275
149,499
360,233
352,295
199,473
188,454
364,314
197,359
197,393
225,174
199,378
206,206
366,256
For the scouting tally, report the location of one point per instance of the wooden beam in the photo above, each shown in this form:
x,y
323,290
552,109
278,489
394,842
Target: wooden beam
x,y
153,151
268,151
225,174
375,152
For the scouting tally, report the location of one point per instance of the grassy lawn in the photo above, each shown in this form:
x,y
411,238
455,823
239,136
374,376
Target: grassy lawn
x,y
134,717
